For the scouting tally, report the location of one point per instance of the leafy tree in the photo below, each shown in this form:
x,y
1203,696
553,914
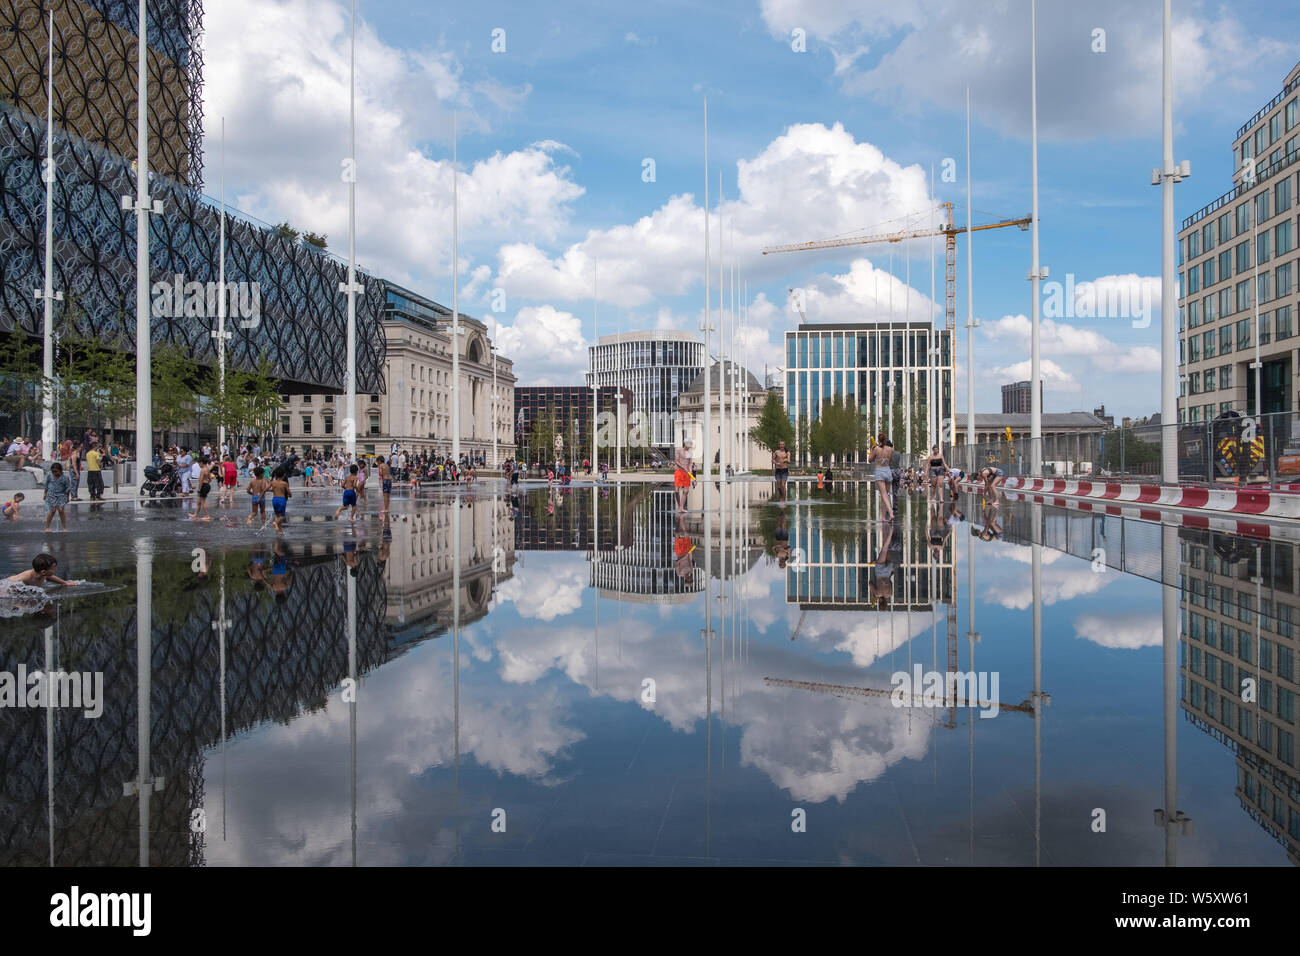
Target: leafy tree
x,y
286,232
21,377
174,377
802,438
835,433
1136,451
94,382
773,424
312,239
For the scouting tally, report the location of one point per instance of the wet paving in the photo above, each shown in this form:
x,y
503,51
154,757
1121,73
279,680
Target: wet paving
x,y
591,677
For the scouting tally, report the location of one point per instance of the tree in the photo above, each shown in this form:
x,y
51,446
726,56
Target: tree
x,y
802,438
92,382
773,425
312,239
1135,451
21,378
174,377
543,433
286,232
835,433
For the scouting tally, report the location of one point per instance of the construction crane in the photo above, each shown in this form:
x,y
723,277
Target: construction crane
x,y
846,690
950,232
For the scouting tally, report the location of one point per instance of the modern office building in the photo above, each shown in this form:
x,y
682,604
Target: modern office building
x,y
288,307
877,366
568,408
1017,396
656,367
415,411
1237,258
1240,612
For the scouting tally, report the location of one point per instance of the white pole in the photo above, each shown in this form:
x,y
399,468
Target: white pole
x,y
492,353
907,352
221,302
931,359
707,450
722,341
49,430
735,382
350,424
971,324
455,299
1035,370
143,205
618,401
595,383
1169,175
1257,365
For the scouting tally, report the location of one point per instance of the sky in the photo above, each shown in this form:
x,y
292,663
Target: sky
x,y
580,144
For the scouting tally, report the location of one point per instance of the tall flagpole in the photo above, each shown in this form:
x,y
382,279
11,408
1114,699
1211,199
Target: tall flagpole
x,y
722,342
1166,177
350,424
455,299
47,295
595,381
221,302
1037,274
143,206
971,463
707,450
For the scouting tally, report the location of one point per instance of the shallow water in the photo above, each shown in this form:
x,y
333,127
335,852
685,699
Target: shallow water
x,y
589,677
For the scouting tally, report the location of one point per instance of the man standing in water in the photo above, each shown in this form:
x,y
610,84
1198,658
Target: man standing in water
x,y
385,482
682,476
781,468
201,512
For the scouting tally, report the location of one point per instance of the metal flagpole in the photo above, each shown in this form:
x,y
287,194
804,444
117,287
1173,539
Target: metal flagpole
x,y
143,205
351,287
47,295
722,342
455,299
595,382
221,301
707,450
971,324
1037,274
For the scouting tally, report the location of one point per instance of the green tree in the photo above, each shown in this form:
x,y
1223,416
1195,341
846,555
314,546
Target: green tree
x,y
543,433
773,424
21,378
287,232
174,377
312,239
802,438
1136,451
835,433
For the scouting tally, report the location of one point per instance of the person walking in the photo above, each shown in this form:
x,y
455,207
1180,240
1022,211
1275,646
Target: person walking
x,y
882,454
57,489
94,472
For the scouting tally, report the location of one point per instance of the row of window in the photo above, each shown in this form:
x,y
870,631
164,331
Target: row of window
x,y
1271,132
1269,285
327,425
1206,345
309,399
1238,222
867,349
1225,637
1271,805
1277,241
1224,709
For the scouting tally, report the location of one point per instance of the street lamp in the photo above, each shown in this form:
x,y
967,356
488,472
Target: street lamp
x,y
492,354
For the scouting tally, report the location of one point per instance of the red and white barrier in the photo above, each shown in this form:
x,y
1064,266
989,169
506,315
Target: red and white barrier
x,y
1208,522
1248,501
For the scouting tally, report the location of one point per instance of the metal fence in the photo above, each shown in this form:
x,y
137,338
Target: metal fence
x,y
1228,450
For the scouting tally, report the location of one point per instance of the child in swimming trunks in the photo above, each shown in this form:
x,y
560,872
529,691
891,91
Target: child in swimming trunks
x,y
349,495
257,491
280,495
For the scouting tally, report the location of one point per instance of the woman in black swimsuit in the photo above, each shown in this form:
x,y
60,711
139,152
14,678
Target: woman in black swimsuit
x,y
938,469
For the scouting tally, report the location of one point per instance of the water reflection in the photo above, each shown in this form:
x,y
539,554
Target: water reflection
x,y
750,673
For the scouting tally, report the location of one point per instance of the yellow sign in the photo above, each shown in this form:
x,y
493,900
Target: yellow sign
x,y
1009,433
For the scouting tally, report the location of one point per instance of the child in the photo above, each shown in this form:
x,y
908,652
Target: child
x,y
57,489
229,479
360,472
257,490
11,506
43,566
385,482
349,495
280,495
205,488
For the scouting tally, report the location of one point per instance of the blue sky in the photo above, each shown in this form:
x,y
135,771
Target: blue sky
x,y
837,139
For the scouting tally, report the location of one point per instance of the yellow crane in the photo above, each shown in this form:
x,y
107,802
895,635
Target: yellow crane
x,y
950,232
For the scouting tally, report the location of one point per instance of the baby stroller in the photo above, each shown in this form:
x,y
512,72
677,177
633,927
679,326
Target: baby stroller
x,y
164,482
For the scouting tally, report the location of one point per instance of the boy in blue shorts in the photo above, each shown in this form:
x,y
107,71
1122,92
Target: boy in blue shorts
x,y
280,495
349,494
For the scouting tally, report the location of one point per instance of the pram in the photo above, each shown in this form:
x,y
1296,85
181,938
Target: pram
x,y
164,482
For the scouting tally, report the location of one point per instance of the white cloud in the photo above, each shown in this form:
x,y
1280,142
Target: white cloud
x,y
1124,631
1082,94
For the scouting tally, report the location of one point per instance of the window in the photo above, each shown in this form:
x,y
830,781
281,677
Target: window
x,y
374,398
1282,322
374,424
1211,668
1282,195
306,424
1225,227
1282,237
1266,656
1282,280
1209,380
1193,281
1193,244
1285,662
284,424
1225,376
1243,302
284,399
1207,342
1211,309
329,399
1207,271
1224,407
1261,139
329,425
1243,257
1261,287
1225,339
1243,218
1194,313
1208,235
1275,127
1262,246
1194,349
1194,383
1292,113
1225,264
1262,206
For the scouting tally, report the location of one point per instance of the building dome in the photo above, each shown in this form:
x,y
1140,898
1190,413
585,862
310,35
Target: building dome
x,y
715,380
